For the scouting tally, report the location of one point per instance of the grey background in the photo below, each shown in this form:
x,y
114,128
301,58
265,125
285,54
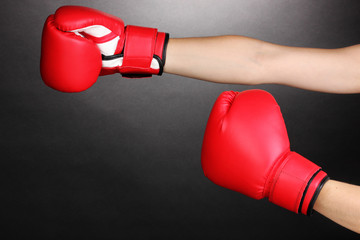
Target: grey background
x,y
122,159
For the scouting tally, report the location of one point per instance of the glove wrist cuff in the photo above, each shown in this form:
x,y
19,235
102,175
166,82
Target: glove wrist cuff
x,y
144,52
296,184
312,191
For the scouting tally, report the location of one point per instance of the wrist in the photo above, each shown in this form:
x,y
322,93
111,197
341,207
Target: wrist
x,y
143,53
296,184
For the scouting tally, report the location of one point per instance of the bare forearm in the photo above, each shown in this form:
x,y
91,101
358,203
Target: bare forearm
x,y
224,59
323,70
243,60
340,202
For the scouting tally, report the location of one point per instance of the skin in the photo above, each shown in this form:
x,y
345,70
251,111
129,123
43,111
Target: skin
x,y
242,60
340,202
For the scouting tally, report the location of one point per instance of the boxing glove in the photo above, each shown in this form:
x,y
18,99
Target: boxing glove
x,y
246,149
80,43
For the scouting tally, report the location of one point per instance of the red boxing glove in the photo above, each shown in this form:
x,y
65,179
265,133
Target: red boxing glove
x,y
80,43
246,149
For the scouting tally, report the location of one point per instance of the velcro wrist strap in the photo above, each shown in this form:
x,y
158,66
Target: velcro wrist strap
x,y
293,187
139,50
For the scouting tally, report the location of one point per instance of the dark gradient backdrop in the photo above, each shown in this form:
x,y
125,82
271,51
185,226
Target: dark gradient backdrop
x,y
122,159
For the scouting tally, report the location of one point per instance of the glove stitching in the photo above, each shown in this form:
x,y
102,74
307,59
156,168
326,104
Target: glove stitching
x,y
270,182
